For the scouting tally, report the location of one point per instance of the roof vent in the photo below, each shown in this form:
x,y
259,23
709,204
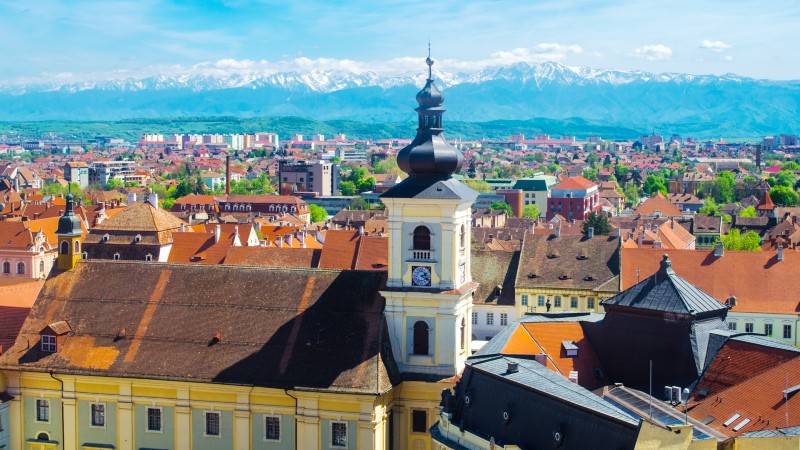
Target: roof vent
x,y
216,339
581,257
780,252
589,278
719,250
730,302
564,277
553,255
105,237
120,335
513,367
533,275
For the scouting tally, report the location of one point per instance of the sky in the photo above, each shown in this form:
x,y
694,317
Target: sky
x,y
79,40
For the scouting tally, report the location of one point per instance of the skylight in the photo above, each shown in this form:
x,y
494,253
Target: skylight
x,y
741,425
731,420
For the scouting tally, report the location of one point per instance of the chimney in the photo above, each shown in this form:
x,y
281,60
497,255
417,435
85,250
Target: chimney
x,y
558,230
227,174
639,239
217,233
301,236
655,229
673,223
532,228
131,198
288,239
361,230
183,228
513,367
616,232
278,241
152,198
719,250
780,252
590,232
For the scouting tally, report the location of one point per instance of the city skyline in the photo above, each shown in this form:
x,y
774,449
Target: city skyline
x,y
57,41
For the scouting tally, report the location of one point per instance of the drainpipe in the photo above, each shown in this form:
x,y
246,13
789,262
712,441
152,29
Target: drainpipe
x,y
286,391
62,404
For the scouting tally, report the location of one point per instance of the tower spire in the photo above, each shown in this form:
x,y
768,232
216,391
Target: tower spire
x,y
429,62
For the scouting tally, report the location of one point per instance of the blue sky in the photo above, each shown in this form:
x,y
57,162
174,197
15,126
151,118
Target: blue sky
x,y
70,40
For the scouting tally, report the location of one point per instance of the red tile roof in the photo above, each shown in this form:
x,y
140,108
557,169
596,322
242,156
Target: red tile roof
x,y
577,182
658,203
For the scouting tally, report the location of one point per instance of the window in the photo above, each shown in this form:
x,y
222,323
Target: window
x,y
42,410
489,318
48,343
768,329
463,237
732,326
421,330
154,419
748,327
540,301
137,238
787,331
64,250
41,267
212,423
503,319
474,318
272,428
524,299
422,238
116,256
590,302
6,267
419,421
77,247
20,268
339,434
98,415
148,257
573,303
558,301
463,333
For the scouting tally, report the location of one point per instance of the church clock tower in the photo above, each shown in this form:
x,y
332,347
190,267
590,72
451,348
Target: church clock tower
x,y
69,234
429,287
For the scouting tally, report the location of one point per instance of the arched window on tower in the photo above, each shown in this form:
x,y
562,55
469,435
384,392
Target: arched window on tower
x,y
41,268
20,268
77,247
462,237
463,333
6,267
64,248
422,238
421,331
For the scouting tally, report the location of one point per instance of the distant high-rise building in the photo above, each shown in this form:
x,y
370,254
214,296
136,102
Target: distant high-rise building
x,y
305,176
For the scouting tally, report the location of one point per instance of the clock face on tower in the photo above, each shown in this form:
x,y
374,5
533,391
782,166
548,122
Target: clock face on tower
x,y
421,276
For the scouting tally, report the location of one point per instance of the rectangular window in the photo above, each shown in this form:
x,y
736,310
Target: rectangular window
x,y
42,410
489,318
98,415
540,302
272,428
787,331
474,318
590,302
503,319
154,419
558,301
732,326
768,329
748,327
339,434
573,303
419,421
48,343
212,423
524,299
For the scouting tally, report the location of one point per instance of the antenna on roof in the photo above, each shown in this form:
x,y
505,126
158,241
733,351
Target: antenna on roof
x,y
651,392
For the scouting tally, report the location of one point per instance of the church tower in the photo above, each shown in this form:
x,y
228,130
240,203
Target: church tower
x,y
429,286
69,234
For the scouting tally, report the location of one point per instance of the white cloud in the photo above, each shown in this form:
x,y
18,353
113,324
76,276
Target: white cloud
x,y
714,46
656,52
728,58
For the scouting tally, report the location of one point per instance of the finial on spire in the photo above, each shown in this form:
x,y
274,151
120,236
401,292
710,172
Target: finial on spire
x,y
429,61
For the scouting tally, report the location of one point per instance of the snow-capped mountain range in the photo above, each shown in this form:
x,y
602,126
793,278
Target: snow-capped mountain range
x,y
673,102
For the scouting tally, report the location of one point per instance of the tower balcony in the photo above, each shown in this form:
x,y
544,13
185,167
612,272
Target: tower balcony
x,y
421,255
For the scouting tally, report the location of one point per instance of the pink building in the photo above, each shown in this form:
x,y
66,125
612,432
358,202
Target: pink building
x,y
574,198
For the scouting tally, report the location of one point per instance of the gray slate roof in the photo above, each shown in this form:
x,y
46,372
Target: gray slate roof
x,y
431,187
537,377
667,292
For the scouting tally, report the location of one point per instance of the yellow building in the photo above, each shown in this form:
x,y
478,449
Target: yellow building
x,y
149,355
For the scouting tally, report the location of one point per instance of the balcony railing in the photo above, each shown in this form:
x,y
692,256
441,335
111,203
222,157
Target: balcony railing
x,y
421,254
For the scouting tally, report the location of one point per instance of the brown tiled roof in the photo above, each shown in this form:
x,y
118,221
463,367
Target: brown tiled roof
x,y
266,199
658,203
758,280
186,245
577,182
340,250
301,258
514,236
11,320
704,223
373,253
325,330
492,269
19,292
765,203
15,236
141,216
567,262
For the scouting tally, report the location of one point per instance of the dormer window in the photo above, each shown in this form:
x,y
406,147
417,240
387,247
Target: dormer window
x,y
52,335
137,238
49,343
105,237
116,256
148,257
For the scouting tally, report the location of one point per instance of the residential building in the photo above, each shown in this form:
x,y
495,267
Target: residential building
x,y
77,172
536,190
102,171
319,177
266,204
573,199
24,252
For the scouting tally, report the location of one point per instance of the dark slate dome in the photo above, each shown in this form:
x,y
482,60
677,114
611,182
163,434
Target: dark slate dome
x,y
430,154
69,223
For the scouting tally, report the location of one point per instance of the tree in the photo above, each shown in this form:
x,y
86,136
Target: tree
x,y
631,194
478,185
590,174
366,184
734,240
791,165
750,211
113,183
356,174
318,213
347,188
502,206
655,183
599,222
723,187
786,178
359,203
709,208
607,160
621,171
531,211
553,168
783,195
592,159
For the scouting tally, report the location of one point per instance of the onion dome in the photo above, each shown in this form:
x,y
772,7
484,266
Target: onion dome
x,y
69,223
430,154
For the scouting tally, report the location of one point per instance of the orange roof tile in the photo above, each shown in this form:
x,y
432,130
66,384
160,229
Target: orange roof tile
x,y
766,203
577,182
340,250
658,203
758,280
